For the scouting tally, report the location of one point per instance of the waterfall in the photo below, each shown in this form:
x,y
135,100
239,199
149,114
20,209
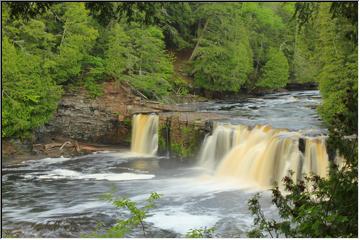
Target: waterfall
x,y
316,158
145,134
219,143
262,155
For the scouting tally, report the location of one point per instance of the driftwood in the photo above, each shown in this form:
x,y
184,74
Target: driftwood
x,y
68,148
77,147
65,143
51,145
54,146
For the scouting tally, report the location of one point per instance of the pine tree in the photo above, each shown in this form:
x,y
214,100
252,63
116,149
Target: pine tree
x,y
78,37
118,56
29,95
276,71
222,57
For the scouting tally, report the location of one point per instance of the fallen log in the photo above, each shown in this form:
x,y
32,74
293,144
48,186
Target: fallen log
x,y
62,146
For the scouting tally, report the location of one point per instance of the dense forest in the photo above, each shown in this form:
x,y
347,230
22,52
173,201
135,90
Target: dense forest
x,y
227,48
233,46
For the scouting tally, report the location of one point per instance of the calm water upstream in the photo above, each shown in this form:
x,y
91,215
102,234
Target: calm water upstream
x,y
59,197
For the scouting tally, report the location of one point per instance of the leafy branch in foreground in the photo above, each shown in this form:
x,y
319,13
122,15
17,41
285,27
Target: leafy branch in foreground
x,y
314,207
123,226
201,233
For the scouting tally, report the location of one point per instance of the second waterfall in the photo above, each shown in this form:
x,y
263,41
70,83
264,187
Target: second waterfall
x,y
262,155
144,138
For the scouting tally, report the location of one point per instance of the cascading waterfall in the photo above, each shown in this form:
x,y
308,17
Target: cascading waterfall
x,y
144,138
216,145
262,155
316,158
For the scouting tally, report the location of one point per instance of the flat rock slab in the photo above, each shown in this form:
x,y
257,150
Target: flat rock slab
x,y
195,117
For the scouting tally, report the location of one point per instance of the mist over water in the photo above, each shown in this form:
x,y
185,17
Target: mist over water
x,y
59,197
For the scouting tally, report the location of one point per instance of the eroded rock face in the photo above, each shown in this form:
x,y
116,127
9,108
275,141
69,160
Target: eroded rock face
x,y
101,120
180,137
107,120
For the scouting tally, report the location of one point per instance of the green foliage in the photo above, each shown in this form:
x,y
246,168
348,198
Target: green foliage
x,y
137,55
179,85
186,143
8,234
29,95
177,25
137,216
336,84
222,56
180,149
118,56
305,65
161,142
152,67
310,208
127,121
276,71
94,89
78,37
222,68
234,46
153,85
201,233
324,207
338,60
267,29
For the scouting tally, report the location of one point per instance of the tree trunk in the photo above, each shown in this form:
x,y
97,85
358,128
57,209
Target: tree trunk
x,y
198,41
63,36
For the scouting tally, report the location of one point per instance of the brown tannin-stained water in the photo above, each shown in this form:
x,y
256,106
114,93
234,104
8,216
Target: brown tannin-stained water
x,y
145,134
256,145
262,155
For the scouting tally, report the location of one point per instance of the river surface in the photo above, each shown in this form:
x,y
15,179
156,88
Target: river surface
x,y
60,197
295,110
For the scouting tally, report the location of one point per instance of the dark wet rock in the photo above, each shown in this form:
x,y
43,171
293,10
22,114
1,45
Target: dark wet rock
x,y
302,86
302,145
102,120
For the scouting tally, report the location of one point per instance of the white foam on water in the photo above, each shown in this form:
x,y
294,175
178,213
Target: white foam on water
x,y
122,155
76,209
129,155
104,151
70,174
58,210
180,221
183,189
47,160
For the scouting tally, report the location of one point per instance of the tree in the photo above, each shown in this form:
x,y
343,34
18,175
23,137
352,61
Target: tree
x,y
276,71
29,95
118,53
305,64
266,30
151,67
78,37
325,207
337,56
222,58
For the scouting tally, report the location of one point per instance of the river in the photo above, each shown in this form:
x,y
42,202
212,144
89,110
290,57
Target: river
x,y
60,197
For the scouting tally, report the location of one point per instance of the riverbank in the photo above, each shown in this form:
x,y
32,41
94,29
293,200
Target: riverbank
x,y
14,152
83,125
